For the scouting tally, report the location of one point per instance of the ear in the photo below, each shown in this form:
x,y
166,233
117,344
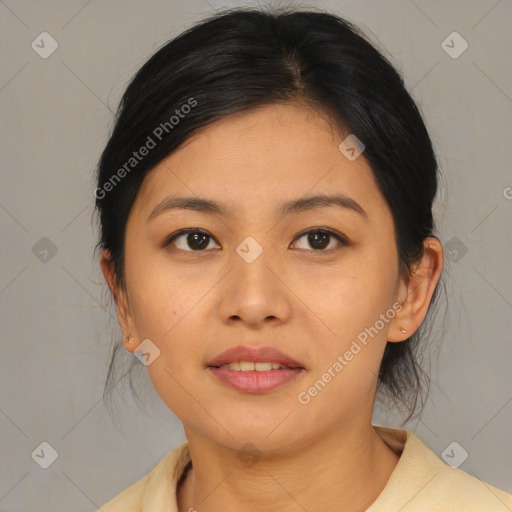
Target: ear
x,y
124,315
415,293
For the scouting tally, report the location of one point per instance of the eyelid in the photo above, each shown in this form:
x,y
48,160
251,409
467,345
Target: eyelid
x,y
335,234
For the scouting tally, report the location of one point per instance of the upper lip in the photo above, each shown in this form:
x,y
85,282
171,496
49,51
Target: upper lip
x,y
254,354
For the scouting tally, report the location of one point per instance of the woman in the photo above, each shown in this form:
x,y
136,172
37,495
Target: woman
x,y
265,204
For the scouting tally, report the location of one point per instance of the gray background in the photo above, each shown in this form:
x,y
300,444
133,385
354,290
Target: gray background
x,y
56,321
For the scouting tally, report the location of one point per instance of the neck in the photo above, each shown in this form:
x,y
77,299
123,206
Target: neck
x,y
347,469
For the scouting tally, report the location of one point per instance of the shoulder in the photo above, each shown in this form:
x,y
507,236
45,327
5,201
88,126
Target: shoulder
x,y
452,487
157,489
422,481
129,500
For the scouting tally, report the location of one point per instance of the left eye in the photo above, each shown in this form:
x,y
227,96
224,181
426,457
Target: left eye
x,y
318,238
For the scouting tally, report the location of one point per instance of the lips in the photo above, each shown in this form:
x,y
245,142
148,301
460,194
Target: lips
x,y
252,375
254,354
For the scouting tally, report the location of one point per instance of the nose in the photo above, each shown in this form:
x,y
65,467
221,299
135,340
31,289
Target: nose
x,y
254,292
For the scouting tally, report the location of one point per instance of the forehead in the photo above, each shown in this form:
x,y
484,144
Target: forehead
x,y
255,160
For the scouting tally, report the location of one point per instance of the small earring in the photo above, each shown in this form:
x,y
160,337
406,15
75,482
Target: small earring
x,y
403,330
129,340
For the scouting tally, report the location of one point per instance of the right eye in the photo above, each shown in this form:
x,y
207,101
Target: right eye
x,y
192,240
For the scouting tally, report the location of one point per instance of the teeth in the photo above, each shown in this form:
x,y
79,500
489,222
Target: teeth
x,y
263,367
245,366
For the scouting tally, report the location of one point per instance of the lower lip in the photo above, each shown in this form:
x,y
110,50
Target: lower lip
x,y
254,381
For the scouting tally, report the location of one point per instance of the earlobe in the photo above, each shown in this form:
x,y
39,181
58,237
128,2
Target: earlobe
x,y
129,344
416,293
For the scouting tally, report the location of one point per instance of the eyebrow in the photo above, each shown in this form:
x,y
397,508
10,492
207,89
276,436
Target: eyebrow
x,y
302,204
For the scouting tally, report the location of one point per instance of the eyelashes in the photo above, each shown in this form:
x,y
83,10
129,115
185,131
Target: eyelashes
x,y
203,236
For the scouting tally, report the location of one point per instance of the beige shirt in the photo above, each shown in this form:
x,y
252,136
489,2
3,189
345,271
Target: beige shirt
x,y
421,482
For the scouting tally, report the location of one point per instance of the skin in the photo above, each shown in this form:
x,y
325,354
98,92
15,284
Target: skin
x,y
309,304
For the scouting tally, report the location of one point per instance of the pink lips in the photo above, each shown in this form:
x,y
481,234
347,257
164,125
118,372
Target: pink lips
x,y
255,381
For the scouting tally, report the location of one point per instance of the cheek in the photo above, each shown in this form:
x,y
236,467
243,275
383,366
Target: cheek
x,y
162,296
357,308
163,312
355,300
345,375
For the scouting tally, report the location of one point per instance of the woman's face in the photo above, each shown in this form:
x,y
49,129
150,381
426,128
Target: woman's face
x,y
257,280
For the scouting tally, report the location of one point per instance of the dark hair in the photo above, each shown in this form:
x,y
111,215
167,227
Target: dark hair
x,y
242,59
